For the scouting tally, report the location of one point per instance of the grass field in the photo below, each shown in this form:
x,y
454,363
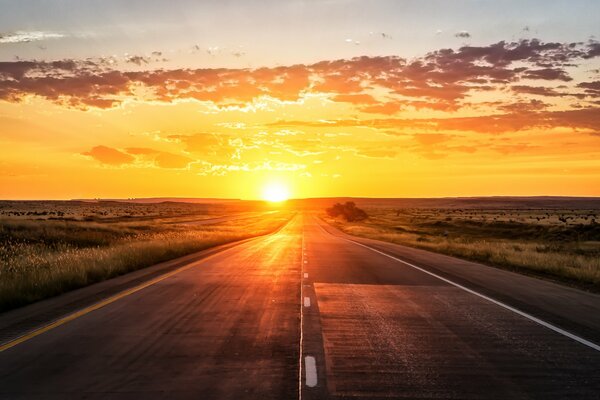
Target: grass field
x,y
559,244
47,249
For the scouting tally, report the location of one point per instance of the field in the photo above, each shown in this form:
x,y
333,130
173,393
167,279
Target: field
x,y
557,244
50,247
47,248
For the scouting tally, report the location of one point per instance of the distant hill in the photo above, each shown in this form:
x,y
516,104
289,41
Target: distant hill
x,y
495,202
152,200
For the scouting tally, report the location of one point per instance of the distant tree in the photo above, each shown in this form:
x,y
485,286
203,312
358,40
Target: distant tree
x,y
347,210
336,210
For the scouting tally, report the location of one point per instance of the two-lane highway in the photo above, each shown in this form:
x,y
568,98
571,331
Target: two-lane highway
x,y
301,314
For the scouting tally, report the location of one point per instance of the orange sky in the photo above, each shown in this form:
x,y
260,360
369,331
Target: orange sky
x,y
512,117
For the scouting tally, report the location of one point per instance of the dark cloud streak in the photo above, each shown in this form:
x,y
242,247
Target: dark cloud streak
x,y
442,80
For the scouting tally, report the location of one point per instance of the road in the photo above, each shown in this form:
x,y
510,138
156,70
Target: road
x,y
308,314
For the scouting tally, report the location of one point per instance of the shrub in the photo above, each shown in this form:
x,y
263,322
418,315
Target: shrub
x,y
347,210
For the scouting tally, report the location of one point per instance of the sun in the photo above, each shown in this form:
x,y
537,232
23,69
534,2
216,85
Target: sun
x,y
275,192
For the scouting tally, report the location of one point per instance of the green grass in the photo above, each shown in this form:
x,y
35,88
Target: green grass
x,y
561,245
44,258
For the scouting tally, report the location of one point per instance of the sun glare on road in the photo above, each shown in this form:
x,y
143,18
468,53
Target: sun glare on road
x,y
275,192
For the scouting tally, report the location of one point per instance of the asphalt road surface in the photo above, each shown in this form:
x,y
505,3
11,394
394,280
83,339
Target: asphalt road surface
x,y
307,313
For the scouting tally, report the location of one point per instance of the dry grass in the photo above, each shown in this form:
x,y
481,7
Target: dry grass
x,y
562,245
112,211
43,258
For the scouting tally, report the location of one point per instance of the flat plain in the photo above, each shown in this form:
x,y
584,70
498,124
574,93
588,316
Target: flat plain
x,y
48,247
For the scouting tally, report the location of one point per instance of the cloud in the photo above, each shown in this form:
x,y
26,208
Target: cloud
x,y
444,80
588,118
222,169
536,90
591,88
298,147
579,119
506,149
548,74
161,159
201,143
388,108
434,146
136,156
502,54
137,60
355,98
428,139
593,49
109,156
29,36
532,105
462,34
211,50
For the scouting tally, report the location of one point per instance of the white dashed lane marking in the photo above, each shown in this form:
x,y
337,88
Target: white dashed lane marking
x,y
311,371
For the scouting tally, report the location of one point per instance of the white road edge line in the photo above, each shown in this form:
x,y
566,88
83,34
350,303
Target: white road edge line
x,y
311,371
307,302
499,303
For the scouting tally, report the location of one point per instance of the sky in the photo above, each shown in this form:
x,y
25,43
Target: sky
x,y
113,99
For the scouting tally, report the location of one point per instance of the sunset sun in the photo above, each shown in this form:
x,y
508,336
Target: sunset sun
x,y
275,192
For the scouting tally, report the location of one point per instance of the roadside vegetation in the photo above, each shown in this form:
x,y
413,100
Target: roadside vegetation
x,y
40,258
561,245
348,211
